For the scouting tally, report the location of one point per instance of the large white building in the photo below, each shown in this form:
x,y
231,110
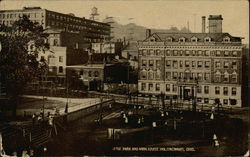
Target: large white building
x,y
193,66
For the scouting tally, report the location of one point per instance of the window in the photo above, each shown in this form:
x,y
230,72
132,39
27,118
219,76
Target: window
x,y
217,53
187,53
199,75
186,63
181,53
234,53
181,64
193,39
226,64
60,58
217,77
193,64
199,88
193,53
169,39
168,63
199,64
234,91
151,52
157,87
60,69
207,39
226,39
168,53
150,86
55,42
150,75
206,100
206,89
168,75
143,74
158,63
158,52
199,53
81,72
199,99
144,63
151,63
217,90
207,76
76,45
143,86
181,75
226,77
167,87
182,39
226,53
225,101
234,77
217,64
174,88
96,73
225,90
175,64
158,74
207,53
234,65
175,53
207,64
175,75
89,73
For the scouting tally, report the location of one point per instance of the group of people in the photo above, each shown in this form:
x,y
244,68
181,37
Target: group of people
x,y
40,118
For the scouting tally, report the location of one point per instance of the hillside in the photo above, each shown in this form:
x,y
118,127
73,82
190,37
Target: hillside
x,y
135,32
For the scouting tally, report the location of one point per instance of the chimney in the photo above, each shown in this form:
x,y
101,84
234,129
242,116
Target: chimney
x,y
203,24
148,33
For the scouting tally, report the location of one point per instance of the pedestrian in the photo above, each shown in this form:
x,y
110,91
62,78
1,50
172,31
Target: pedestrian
x,y
33,119
39,118
50,121
216,143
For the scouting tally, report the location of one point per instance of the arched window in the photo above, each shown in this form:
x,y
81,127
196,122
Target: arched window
x,y
207,39
234,77
194,39
226,77
217,76
150,75
182,39
226,39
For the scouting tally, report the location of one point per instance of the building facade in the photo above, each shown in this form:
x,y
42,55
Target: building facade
x,y
188,66
93,31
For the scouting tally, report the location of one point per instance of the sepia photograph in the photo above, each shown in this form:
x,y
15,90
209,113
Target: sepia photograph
x,y
124,78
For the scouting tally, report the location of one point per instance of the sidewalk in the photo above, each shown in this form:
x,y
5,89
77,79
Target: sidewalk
x,y
53,103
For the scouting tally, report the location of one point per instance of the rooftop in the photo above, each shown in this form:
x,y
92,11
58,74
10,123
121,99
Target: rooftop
x,y
215,37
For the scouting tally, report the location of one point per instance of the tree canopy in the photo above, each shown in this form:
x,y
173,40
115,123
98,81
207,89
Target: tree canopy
x,y
19,64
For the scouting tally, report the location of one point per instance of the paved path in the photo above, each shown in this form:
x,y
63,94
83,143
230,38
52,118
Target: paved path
x,y
53,103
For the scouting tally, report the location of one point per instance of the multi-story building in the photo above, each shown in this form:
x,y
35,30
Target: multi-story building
x,y
93,31
70,37
192,66
113,48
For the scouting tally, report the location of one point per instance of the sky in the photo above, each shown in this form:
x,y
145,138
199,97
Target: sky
x,y
161,14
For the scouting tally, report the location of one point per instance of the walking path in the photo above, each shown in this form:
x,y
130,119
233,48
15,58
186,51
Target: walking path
x,y
51,104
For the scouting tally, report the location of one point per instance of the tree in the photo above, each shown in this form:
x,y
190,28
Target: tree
x,y
19,64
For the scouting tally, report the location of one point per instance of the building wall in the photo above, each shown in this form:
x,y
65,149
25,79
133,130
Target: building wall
x,y
93,31
56,59
163,65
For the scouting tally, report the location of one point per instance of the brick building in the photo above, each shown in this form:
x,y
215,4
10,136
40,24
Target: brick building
x,y
92,31
193,66
70,37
